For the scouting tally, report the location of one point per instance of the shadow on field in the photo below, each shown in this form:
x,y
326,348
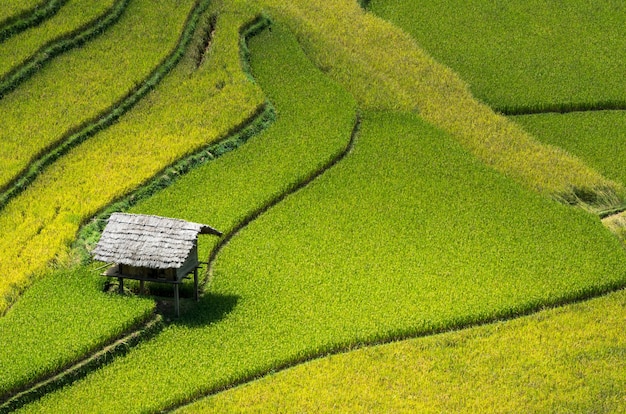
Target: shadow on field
x,y
209,309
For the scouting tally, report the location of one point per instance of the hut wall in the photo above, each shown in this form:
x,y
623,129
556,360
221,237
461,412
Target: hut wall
x,y
190,263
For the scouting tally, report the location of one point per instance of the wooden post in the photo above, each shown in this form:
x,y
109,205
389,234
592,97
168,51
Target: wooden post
x,y
195,283
141,283
121,287
176,300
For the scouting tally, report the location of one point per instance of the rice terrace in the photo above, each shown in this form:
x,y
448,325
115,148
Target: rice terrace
x,y
414,206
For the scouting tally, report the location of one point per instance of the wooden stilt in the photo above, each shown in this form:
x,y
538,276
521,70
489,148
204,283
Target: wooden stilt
x,y
141,285
121,287
176,300
195,283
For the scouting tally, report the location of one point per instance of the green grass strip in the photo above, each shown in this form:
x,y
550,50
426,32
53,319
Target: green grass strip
x,y
570,359
30,18
17,74
563,108
394,241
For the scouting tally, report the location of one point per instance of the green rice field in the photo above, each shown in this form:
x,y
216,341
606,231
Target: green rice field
x,y
13,10
524,56
422,205
559,360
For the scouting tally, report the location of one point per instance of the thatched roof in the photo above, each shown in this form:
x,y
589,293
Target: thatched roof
x,y
148,241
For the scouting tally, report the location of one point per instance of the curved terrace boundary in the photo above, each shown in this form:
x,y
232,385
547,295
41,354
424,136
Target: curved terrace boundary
x,y
121,346
14,25
280,198
562,108
346,350
399,335
91,127
56,47
236,137
67,375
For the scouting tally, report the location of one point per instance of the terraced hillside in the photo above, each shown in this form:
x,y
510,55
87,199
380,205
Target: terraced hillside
x,y
365,194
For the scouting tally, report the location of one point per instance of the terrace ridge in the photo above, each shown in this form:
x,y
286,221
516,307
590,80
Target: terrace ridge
x,y
16,24
74,371
89,128
11,80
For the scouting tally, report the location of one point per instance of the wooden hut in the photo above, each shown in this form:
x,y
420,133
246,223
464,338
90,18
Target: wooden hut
x,y
152,249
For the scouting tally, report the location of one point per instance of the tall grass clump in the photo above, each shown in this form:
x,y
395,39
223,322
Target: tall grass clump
x,y
386,69
524,56
392,241
569,359
79,85
39,224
